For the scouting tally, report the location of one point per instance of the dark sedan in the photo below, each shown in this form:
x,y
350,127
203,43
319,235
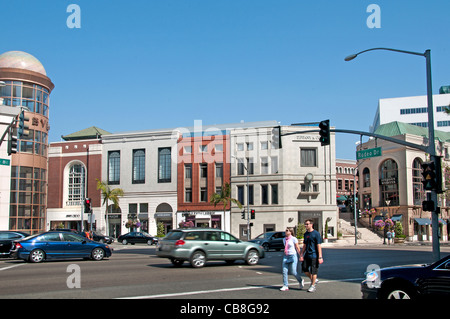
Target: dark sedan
x,y
408,282
137,237
58,245
6,239
270,240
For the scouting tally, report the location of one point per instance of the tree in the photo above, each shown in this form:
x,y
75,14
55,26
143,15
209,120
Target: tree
x,y
109,194
224,198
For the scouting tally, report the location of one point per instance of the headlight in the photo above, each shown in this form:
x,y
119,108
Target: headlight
x,y
372,276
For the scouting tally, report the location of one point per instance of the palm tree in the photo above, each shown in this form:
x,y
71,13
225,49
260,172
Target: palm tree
x,y
224,198
109,194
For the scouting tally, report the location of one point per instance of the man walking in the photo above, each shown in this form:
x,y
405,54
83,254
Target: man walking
x,y
311,253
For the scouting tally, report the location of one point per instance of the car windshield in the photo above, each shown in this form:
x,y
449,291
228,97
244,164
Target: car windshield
x,y
265,235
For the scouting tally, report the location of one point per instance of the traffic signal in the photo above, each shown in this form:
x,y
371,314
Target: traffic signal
x,y
429,176
87,206
252,214
324,132
12,142
22,129
243,214
428,206
276,137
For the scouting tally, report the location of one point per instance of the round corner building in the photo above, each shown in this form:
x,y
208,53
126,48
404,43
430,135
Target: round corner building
x,y
28,87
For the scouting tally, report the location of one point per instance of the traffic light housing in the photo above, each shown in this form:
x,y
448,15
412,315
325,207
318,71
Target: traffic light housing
x,y
432,175
12,142
276,137
324,132
243,214
22,128
252,214
87,206
428,206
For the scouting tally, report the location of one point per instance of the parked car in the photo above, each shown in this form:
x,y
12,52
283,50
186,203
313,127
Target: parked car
x,y
58,244
102,238
137,237
270,240
6,239
408,282
198,245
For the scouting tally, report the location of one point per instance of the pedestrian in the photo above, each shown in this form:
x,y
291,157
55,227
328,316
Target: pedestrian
x,y
311,254
290,258
393,236
389,236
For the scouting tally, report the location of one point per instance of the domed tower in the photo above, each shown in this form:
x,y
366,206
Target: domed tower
x,y
27,87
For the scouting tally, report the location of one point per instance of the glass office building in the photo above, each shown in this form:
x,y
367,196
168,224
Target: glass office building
x,y
28,87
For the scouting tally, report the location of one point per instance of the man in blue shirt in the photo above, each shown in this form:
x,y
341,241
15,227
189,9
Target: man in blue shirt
x,y
311,253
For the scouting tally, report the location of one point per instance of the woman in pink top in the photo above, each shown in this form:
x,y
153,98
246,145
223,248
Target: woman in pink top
x,y
290,259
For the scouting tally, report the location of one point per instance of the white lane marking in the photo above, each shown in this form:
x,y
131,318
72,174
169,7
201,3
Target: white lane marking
x,y
9,267
188,293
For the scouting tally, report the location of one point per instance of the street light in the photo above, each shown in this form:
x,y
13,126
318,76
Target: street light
x,y
431,143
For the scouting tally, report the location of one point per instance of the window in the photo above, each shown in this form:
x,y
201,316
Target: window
x,y
114,167
187,150
188,195
76,183
366,177
264,145
203,170
418,192
264,194
203,194
264,165
203,148
308,157
274,164
240,166
250,195
389,183
240,146
219,170
188,171
138,166
240,192
274,193
164,165
219,147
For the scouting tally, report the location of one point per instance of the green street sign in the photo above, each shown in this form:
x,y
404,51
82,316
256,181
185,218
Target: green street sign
x,y
371,152
5,162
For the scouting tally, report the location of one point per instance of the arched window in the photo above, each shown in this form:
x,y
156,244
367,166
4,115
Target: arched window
x,y
389,183
76,183
366,177
418,192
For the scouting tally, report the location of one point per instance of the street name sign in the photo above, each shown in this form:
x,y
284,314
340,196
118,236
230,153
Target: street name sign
x,y
4,161
371,152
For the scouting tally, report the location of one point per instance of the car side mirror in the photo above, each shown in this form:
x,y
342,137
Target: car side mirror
x,y
84,242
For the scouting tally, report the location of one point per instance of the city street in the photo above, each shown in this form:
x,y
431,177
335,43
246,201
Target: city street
x,y
135,272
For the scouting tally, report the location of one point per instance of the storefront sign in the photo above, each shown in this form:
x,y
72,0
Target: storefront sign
x,y
388,181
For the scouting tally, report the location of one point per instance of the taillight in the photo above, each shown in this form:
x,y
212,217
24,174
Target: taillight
x,y
18,245
179,243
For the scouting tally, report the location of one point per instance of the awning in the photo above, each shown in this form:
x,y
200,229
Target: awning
x,y
397,218
423,221
341,197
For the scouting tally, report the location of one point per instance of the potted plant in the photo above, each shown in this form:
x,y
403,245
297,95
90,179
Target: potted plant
x,y
301,230
399,236
325,237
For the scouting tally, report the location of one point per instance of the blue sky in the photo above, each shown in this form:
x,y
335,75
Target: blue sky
x,y
136,64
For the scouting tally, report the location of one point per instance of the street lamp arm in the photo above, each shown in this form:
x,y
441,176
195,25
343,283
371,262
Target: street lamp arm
x,y
352,56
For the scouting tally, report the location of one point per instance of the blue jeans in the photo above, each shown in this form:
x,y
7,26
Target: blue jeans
x,y
290,266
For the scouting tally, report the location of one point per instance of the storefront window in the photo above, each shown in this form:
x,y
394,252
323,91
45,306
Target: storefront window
x,y
389,183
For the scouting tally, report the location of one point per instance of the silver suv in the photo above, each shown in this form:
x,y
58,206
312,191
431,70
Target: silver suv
x,y
197,245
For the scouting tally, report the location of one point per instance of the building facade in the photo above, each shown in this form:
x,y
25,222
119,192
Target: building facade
x,y
74,166
391,185
28,87
144,165
286,185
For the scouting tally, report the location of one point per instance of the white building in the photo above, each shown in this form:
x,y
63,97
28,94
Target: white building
x,y
286,185
412,110
143,164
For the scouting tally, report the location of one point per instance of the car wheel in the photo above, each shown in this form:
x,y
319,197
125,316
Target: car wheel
x,y
398,292
266,247
124,242
149,242
198,259
98,254
252,257
37,255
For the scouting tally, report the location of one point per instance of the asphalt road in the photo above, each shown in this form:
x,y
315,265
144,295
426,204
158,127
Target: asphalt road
x,y
135,272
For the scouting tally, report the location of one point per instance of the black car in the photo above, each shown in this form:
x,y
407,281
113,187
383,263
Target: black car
x,y
270,240
408,282
137,237
102,238
6,239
